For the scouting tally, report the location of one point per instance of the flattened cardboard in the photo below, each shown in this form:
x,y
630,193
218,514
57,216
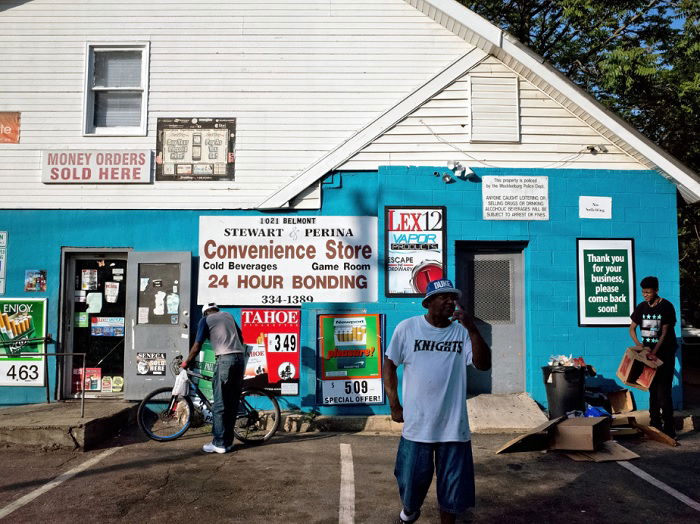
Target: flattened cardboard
x,y
655,434
536,439
622,420
636,370
621,401
580,433
609,451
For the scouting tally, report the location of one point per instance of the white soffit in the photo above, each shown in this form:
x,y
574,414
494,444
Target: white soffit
x,y
480,32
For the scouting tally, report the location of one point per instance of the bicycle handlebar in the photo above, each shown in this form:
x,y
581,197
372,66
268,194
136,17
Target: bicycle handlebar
x,y
176,369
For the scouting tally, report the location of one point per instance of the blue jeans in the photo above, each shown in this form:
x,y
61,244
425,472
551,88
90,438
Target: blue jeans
x,y
454,468
226,386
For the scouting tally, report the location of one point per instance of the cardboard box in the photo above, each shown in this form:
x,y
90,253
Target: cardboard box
x,y
580,433
620,401
636,370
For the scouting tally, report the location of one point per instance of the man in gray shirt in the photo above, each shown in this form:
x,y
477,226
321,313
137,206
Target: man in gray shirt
x,y
226,339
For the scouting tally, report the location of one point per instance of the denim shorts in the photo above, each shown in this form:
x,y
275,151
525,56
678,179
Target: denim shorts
x,y
453,465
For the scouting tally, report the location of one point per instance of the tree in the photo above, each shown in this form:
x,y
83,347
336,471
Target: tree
x,y
641,59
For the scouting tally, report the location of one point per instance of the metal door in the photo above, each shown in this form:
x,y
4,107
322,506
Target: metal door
x,y
491,278
158,316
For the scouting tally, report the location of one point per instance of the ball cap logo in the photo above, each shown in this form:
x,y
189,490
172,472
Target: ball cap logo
x,y
440,286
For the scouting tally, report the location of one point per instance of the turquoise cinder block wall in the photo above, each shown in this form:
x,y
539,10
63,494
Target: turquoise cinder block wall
x,y
643,209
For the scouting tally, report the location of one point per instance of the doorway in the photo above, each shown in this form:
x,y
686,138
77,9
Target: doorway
x,y
93,313
491,278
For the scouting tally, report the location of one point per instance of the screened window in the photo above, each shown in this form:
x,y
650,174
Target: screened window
x,y
116,90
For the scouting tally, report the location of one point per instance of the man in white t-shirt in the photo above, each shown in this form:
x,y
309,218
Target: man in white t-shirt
x,y
435,352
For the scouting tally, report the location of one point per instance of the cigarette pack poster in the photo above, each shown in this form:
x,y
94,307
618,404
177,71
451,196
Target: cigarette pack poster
x,y
272,336
415,249
22,326
351,352
150,363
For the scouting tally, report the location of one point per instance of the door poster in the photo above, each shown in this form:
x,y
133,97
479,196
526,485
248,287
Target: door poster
x,y
351,355
22,320
415,249
605,281
272,338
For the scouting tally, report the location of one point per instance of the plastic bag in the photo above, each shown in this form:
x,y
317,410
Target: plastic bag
x,y
182,382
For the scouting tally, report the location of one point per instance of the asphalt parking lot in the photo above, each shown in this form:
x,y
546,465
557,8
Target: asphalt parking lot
x,y
325,478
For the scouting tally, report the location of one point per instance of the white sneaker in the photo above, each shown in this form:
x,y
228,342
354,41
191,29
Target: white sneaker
x,y
211,448
406,518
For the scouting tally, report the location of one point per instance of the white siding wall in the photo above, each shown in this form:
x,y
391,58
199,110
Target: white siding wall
x,y
300,76
550,136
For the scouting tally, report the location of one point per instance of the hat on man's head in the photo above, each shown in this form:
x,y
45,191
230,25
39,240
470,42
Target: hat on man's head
x,y
207,307
436,287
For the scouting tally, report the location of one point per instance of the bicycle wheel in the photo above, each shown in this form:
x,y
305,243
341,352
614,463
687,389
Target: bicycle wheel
x,y
160,420
258,416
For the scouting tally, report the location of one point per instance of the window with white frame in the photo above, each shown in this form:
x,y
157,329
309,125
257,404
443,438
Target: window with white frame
x,y
116,89
495,111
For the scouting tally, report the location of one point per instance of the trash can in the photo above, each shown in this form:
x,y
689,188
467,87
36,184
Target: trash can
x,y
564,385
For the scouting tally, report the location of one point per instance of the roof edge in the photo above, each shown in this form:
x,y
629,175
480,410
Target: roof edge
x,y
686,179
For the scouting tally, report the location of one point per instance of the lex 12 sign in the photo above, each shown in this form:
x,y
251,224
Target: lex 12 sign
x,y
414,249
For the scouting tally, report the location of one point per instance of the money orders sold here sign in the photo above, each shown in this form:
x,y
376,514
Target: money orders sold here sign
x,y
96,167
287,260
605,281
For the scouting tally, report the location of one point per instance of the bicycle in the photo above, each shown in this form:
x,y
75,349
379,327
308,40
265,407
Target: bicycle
x,y
164,417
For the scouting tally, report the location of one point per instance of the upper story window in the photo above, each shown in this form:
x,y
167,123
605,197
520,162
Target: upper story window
x,y
116,89
495,111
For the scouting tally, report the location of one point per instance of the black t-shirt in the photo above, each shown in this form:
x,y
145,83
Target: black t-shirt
x,y
651,319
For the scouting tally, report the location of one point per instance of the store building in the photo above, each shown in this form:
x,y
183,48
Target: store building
x,y
309,169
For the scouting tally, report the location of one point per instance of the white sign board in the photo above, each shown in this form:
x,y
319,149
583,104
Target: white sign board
x,y
96,167
352,391
594,207
3,260
287,260
515,197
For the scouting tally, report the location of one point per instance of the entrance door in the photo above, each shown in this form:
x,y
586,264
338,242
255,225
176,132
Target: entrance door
x,y
157,309
491,279
94,306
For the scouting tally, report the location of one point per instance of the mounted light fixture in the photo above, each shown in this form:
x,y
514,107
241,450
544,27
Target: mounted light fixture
x,y
595,149
447,178
460,171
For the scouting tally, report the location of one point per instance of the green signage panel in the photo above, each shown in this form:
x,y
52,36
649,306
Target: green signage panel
x,y
605,281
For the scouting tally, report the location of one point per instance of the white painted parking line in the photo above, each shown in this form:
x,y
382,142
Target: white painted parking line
x,y
346,510
26,499
665,487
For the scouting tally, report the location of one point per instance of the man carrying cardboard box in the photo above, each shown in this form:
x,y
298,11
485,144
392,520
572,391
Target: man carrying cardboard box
x,y
656,318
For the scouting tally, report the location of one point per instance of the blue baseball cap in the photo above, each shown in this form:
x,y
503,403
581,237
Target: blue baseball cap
x,y
439,286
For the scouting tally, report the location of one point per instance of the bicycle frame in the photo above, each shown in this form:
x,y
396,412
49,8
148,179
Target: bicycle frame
x,y
197,391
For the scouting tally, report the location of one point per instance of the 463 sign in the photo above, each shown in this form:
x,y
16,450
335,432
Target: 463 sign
x,y
22,321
